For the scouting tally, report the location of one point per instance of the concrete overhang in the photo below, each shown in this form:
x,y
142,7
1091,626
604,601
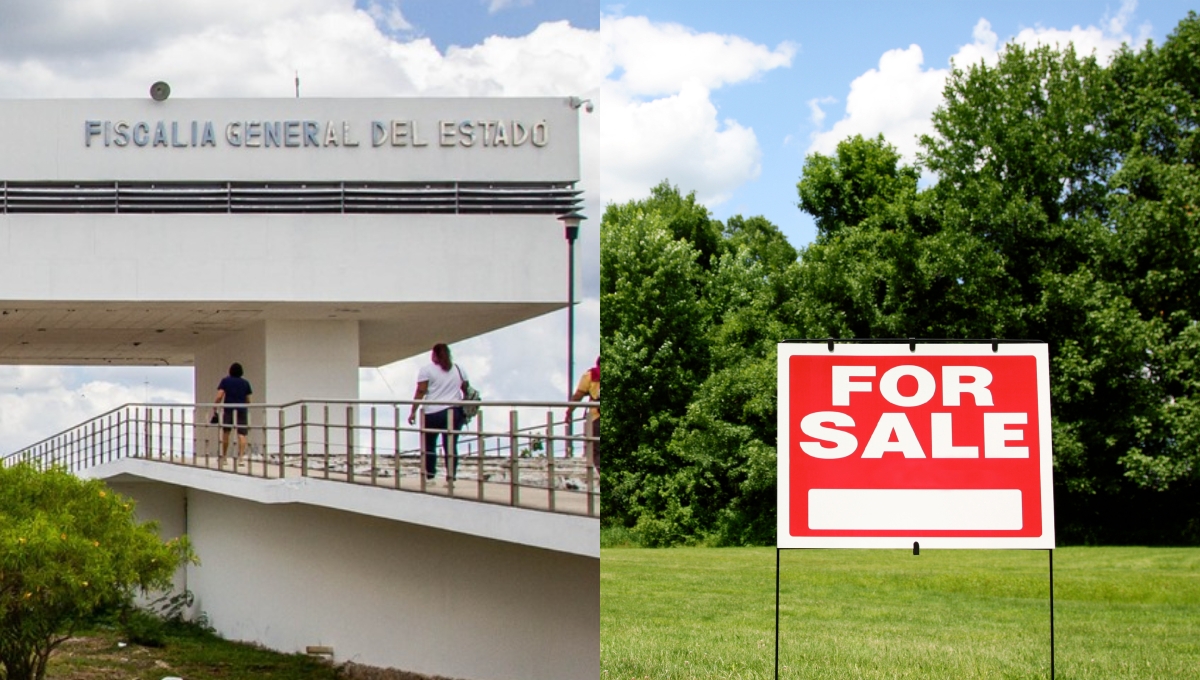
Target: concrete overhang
x,y
154,333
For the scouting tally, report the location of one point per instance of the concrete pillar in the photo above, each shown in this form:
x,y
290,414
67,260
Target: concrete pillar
x,y
285,361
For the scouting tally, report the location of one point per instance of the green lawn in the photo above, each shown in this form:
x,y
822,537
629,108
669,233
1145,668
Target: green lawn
x,y
710,613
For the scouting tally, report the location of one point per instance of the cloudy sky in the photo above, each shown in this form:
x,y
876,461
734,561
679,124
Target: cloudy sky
x,y
722,98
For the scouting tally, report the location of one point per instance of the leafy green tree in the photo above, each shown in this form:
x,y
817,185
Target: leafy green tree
x,y
893,272
1063,210
723,487
1155,210
860,181
1065,207
684,218
68,549
652,320
685,347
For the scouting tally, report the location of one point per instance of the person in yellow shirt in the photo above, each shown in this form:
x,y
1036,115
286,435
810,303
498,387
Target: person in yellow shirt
x,y
589,387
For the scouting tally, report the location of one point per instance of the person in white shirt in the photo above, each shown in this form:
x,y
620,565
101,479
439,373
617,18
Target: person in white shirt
x,y
440,380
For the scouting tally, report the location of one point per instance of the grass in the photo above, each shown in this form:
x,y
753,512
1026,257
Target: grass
x,y
689,613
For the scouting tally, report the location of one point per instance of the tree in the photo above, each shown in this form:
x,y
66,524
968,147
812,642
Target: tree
x,y
1065,210
68,549
652,323
690,351
860,181
1065,207
1155,210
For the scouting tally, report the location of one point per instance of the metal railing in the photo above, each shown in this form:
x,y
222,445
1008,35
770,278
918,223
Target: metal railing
x,y
522,454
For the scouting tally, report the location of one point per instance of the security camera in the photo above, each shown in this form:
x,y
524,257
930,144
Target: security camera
x,y
577,102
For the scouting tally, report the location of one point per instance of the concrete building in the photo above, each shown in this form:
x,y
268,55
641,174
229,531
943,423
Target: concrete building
x,y
306,238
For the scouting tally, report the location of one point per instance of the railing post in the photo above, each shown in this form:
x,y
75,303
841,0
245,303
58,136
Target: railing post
x,y
479,446
159,427
423,482
147,432
304,439
550,485
374,454
106,453
349,444
396,443
569,429
325,441
262,440
591,486
452,427
281,438
514,462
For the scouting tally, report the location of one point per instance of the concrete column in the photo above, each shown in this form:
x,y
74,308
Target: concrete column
x,y
311,360
284,361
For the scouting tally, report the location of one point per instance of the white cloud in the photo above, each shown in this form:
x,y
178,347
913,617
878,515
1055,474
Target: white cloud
x,y
389,16
655,58
895,99
657,118
338,50
1116,25
678,137
898,98
984,48
1101,41
816,113
88,30
39,401
495,6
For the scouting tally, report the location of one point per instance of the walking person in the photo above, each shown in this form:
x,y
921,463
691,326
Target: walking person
x,y
589,388
440,380
234,391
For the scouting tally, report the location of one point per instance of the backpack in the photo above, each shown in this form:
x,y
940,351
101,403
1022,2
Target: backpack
x,y
469,394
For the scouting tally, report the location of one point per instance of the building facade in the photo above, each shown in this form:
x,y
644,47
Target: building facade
x,y
305,239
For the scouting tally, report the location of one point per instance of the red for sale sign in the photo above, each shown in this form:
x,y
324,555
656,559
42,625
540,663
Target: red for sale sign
x,y
883,445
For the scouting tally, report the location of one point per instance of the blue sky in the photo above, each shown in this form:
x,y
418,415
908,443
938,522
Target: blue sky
x,y
463,23
834,43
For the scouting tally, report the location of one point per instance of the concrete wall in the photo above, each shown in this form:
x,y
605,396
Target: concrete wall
x,y
383,592
283,258
54,140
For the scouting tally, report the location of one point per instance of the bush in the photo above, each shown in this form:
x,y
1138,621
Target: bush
x,y
69,548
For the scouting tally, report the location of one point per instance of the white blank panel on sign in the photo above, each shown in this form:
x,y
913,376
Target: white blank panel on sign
x,y
914,509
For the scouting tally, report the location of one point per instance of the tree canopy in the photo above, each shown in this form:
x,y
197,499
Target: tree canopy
x,y
1063,204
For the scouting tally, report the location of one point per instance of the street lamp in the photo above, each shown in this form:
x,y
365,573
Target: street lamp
x,y
571,232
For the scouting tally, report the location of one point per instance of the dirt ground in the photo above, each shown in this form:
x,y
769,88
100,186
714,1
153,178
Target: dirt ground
x,y
99,658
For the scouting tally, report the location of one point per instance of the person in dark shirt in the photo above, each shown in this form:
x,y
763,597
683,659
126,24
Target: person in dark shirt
x,y
234,389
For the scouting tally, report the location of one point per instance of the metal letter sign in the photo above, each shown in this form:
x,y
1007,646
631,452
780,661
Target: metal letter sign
x,y
884,445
